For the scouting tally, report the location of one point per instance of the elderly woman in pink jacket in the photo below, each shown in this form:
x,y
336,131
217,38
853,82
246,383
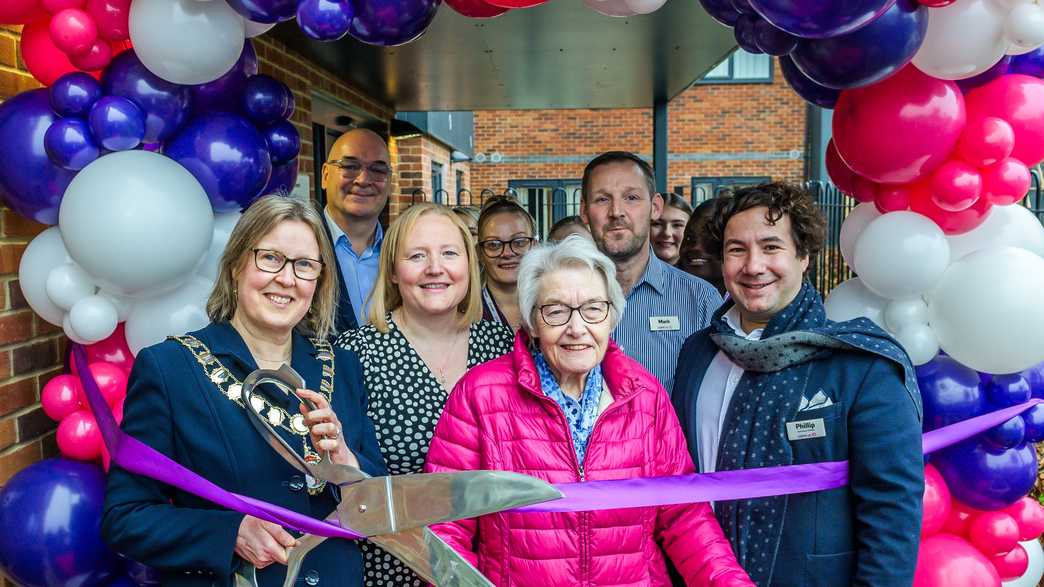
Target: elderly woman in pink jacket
x,y
567,405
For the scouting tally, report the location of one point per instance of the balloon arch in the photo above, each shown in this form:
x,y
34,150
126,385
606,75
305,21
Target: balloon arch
x,y
157,106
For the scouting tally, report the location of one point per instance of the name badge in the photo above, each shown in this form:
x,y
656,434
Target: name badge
x,y
662,323
806,429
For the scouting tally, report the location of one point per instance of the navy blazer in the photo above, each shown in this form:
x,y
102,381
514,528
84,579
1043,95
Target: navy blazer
x,y
345,318
173,407
867,533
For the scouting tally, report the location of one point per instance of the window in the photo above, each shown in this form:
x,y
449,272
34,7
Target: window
x,y
437,193
705,188
547,200
740,67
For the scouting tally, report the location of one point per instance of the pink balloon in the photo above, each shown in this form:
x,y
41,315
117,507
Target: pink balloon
x,y
1013,564
112,350
44,61
61,397
476,8
78,436
946,560
956,185
96,58
994,533
865,190
112,18
111,380
1006,182
1019,100
950,222
936,502
20,11
936,3
986,141
56,6
73,31
843,177
892,198
1030,516
926,112
960,517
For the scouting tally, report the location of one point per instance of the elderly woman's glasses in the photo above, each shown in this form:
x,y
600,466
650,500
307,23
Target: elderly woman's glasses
x,y
559,314
352,168
494,248
271,261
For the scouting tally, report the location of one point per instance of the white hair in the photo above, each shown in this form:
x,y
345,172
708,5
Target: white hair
x,y
574,251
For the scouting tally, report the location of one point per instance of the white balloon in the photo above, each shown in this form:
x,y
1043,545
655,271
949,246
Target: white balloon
x,y
71,332
645,6
919,342
853,226
67,284
136,221
1005,226
851,299
1035,568
256,29
223,225
93,318
123,305
899,314
1024,27
185,41
44,253
963,40
901,254
986,310
177,312
618,8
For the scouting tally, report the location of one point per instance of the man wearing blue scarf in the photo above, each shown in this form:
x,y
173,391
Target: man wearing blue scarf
x,y
772,382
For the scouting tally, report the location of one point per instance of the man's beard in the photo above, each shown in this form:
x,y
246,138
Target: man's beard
x,y
623,250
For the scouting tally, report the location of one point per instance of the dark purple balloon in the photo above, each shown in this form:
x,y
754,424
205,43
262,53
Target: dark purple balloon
x,y
50,513
166,105
283,179
950,392
265,99
772,40
1031,63
291,105
122,582
987,478
721,11
743,6
284,142
1006,435
867,55
325,20
117,123
143,576
744,33
227,155
1000,68
1008,390
1035,377
30,184
267,11
821,96
74,93
70,144
819,19
1034,421
225,92
392,22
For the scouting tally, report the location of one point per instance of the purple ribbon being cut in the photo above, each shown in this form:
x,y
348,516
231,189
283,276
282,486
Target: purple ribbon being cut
x,y
142,459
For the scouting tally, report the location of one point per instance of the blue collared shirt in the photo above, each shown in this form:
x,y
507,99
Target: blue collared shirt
x,y
359,272
663,309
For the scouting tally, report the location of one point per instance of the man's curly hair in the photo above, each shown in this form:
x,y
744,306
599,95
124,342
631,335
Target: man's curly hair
x,y
807,224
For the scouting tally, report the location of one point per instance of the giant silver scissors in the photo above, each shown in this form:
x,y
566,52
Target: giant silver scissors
x,y
394,511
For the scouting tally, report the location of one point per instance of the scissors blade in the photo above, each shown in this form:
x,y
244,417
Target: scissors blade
x,y
386,505
431,558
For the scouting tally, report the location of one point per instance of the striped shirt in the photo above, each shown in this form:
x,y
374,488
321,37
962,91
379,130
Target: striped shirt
x,y
663,309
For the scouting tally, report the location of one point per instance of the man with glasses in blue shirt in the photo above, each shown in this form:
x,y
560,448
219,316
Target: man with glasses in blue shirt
x,y
356,178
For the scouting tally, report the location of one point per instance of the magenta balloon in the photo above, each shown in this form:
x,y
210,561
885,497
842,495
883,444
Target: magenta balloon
x,y
392,22
1018,99
986,141
928,113
956,185
945,560
476,8
819,19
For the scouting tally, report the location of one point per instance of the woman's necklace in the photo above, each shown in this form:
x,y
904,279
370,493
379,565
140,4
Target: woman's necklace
x,y
438,370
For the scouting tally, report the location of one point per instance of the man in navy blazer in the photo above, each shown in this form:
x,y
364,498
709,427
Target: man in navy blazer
x,y
356,177
772,382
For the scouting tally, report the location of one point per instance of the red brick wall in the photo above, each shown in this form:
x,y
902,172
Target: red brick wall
x,y
414,156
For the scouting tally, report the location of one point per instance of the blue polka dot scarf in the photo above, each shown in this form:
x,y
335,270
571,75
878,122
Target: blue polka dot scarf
x,y
580,415
754,432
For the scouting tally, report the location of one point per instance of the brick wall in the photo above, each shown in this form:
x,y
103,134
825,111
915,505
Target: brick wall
x,y
414,156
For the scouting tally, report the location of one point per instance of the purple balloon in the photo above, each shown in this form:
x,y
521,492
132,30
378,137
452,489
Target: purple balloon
x,y
70,144
1031,63
283,179
821,96
817,19
227,155
1033,418
392,22
1008,390
267,11
867,55
143,576
74,93
721,11
1000,68
744,33
291,105
984,477
772,40
950,392
325,20
117,123
743,6
265,99
166,105
1007,435
51,515
225,92
1035,377
284,142
30,184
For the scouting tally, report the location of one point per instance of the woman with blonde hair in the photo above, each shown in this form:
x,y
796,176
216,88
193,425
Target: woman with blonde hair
x,y
273,304
425,332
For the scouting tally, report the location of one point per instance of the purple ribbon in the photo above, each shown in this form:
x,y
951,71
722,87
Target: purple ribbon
x,y
142,459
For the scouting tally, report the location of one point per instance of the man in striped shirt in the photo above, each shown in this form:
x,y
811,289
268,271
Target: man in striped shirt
x,y
664,304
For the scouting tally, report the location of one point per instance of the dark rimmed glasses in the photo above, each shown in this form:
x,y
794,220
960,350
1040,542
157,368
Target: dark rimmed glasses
x,y
559,314
494,248
351,168
271,261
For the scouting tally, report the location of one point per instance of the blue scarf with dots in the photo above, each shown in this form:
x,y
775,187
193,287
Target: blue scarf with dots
x,y
580,415
754,431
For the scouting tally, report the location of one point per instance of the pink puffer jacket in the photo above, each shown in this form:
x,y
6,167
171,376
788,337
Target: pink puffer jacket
x,y
498,418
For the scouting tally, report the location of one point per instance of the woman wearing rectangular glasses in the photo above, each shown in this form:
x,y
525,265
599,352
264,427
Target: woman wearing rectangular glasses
x,y
505,233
